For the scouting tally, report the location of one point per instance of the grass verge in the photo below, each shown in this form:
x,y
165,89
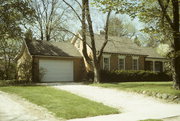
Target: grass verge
x,y
151,87
61,103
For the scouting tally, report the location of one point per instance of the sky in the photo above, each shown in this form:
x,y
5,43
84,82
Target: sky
x,y
99,19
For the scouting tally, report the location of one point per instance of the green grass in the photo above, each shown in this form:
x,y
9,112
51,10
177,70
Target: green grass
x,y
152,120
63,104
157,87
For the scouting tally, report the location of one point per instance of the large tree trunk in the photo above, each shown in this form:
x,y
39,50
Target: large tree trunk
x,y
97,72
176,62
176,76
176,35
83,22
96,64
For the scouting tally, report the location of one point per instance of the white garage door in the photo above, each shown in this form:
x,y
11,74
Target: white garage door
x,y
56,70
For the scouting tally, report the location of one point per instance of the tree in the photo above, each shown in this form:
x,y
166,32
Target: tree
x,y
14,14
161,18
117,28
86,16
137,41
174,24
50,19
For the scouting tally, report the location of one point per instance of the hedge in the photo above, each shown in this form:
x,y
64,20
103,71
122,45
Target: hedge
x,y
134,76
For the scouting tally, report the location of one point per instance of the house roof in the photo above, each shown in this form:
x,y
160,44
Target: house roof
x,y
152,53
123,45
44,48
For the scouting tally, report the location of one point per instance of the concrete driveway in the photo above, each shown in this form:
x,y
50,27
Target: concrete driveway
x,y
133,106
14,108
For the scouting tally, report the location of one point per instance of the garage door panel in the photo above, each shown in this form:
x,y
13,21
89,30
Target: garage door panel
x,y
57,70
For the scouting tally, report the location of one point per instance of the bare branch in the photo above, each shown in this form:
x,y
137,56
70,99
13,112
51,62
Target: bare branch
x,y
78,3
66,30
106,36
73,10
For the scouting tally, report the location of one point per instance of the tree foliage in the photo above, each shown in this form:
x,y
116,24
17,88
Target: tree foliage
x,y
13,16
117,28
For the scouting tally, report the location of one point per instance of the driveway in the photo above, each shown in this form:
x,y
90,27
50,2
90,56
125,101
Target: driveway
x,y
133,106
14,108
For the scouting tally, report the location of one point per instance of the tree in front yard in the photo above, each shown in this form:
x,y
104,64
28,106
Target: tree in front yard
x,y
86,16
162,20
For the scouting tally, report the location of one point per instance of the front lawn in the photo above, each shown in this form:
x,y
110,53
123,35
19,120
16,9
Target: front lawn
x,y
63,104
152,120
140,87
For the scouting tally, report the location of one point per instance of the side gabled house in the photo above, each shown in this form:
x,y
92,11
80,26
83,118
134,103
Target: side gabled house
x,y
42,61
122,54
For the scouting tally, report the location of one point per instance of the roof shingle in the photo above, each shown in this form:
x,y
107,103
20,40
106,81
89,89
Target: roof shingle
x,y
119,45
64,49
123,45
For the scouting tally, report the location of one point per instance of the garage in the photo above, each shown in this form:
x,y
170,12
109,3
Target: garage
x,y
56,70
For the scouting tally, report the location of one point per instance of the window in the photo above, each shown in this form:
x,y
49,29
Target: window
x,y
121,64
106,63
158,66
135,64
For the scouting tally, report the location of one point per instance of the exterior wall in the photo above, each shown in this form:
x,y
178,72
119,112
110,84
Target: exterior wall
x,y
79,69
128,62
114,62
35,69
79,46
24,64
141,63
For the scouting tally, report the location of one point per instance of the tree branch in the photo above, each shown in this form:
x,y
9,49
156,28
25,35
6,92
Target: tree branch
x,y
166,14
66,30
106,36
78,3
72,9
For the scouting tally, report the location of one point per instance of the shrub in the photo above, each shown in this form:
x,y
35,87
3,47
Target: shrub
x,y
13,82
133,76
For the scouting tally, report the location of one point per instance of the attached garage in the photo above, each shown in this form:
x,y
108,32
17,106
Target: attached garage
x,y
50,62
56,70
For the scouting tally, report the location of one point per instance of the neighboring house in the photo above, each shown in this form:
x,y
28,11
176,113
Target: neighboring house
x,y
42,61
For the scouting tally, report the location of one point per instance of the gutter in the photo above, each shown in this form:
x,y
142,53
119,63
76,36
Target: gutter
x,y
44,56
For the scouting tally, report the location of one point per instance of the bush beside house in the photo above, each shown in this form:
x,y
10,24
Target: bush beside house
x,y
132,76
